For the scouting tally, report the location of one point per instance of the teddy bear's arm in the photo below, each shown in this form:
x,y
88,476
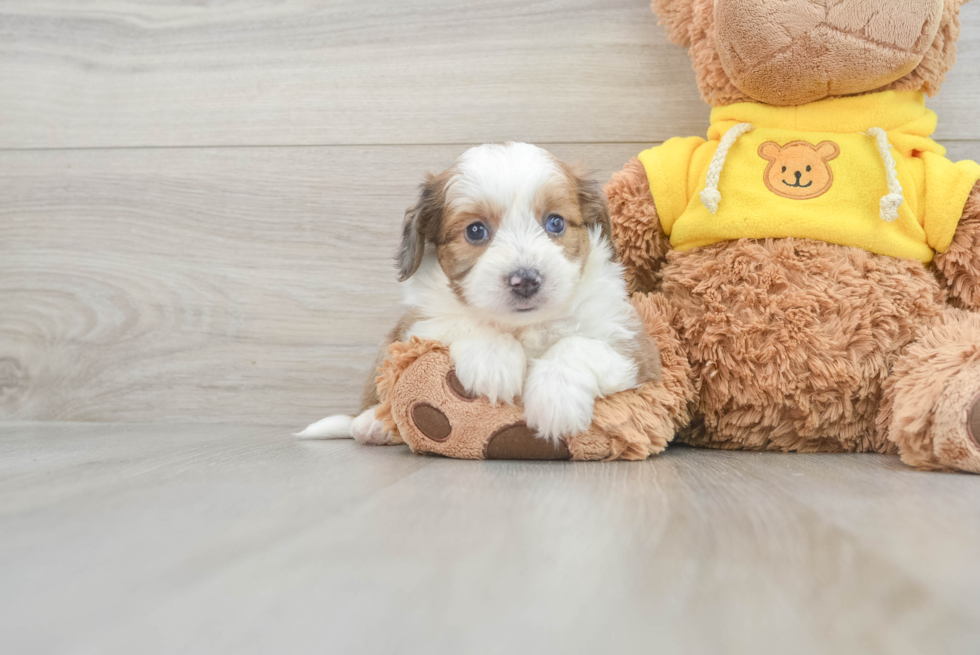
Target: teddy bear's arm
x,y
640,241
959,265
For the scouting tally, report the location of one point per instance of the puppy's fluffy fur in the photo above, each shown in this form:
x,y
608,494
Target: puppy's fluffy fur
x,y
506,258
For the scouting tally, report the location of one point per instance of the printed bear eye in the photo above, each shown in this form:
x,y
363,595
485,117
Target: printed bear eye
x,y
555,224
476,232
784,169
808,169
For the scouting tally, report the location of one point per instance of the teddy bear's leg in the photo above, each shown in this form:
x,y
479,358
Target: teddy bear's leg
x,y
667,403
931,402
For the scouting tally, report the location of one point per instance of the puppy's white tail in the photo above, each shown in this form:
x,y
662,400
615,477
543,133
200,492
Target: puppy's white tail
x,y
332,427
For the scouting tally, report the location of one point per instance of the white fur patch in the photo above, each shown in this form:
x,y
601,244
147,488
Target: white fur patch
x,y
332,427
562,385
367,429
491,364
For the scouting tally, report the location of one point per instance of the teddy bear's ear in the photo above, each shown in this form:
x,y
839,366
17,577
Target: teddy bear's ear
x,y
828,150
769,150
676,16
931,71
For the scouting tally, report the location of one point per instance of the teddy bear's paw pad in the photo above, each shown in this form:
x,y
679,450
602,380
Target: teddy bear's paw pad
x,y
973,422
457,387
517,441
431,422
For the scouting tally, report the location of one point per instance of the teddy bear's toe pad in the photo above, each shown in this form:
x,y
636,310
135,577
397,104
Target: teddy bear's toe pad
x,y
517,441
457,387
431,422
973,421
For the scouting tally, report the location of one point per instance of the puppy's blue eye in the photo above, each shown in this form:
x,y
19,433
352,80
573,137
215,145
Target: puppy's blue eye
x,y
476,232
555,224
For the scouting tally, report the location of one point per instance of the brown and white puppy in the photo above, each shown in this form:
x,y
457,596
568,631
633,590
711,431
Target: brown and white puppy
x,y
507,258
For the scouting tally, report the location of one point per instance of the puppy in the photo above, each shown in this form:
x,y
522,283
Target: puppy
x,y
507,259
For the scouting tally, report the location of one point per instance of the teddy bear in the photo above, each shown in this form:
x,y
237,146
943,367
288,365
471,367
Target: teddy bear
x,y
810,269
425,405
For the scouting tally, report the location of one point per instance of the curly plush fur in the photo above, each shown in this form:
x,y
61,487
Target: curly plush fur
x,y
691,23
766,344
809,346
421,405
958,266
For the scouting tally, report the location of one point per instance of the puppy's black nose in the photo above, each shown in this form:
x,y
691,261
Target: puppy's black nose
x,y
525,282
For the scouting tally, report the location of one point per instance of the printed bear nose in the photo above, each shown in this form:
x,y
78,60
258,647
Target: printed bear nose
x,y
798,175
525,282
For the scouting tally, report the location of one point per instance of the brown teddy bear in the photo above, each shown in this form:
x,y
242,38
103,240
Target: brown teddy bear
x,y
810,270
425,405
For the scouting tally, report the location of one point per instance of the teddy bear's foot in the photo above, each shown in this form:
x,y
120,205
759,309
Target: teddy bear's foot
x,y
436,416
424,402
955,431
931,409
431,410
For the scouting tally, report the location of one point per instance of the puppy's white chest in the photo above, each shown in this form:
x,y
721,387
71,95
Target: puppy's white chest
x,y
536,341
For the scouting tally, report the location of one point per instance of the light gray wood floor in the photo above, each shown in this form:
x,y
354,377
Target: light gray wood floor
x,y
131,538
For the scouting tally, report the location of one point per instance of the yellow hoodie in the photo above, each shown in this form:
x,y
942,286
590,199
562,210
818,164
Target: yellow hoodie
x,y
859,171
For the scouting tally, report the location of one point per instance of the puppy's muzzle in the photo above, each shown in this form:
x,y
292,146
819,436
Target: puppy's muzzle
x,y
525,282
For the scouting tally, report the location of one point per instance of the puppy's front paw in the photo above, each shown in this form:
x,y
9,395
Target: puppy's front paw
x,y
490,367
558,402
369,430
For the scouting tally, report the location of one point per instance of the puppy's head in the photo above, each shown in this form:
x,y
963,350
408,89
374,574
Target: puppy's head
x,y
510,226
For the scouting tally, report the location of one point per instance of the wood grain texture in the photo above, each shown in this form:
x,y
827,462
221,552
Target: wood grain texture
x,y
144,277
138,73
206,539
228,284
246,285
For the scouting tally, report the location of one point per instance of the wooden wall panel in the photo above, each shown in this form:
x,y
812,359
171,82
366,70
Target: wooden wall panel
x,y
199,201
136,73
225,284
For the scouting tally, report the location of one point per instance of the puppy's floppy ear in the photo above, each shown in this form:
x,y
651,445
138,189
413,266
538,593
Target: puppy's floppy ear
x,y
595,210
421,224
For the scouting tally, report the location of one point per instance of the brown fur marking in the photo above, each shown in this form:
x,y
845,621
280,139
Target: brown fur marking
x,y
457,256
560,197
422,223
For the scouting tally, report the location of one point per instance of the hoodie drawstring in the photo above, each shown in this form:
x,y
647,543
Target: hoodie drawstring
x,y
894,199
711,197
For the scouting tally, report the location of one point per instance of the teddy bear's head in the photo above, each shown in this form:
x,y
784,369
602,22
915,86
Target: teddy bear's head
x,y
791,52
